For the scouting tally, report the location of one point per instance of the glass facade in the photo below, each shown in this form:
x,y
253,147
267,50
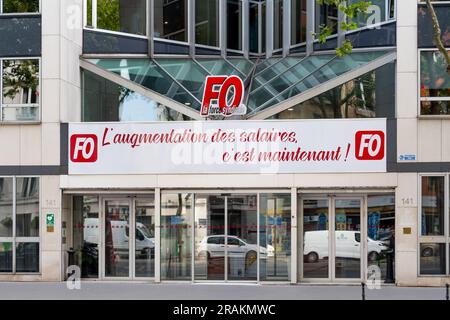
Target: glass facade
x,y
207,22
171,20
234,24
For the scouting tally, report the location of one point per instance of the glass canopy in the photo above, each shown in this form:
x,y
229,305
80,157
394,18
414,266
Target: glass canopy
x,y
268,82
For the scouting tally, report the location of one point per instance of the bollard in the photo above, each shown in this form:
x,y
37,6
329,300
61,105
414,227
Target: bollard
x,y
446,291
363,291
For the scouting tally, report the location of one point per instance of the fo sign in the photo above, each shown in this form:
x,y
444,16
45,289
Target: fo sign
x,y
215,147
223,95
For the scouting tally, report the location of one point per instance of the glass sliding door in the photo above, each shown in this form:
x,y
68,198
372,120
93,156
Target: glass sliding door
x,y
242,237
144,238
316,238
275,237
347,236
209,260
117,238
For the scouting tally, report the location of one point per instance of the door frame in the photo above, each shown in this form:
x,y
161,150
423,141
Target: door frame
x,y
131,199
331,200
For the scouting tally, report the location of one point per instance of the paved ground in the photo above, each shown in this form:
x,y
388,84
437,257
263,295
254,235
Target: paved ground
x,y
138,291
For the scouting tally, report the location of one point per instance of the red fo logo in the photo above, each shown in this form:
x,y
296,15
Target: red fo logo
x,y
216,96
83,148
369,145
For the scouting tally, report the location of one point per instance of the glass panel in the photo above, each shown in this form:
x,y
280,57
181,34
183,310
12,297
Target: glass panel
x,y
122,16
209,237
432,258
381,234
432,206
27,257
88,9
6,207
217,67
234,24
348,238
254,27
14,6
117,246
275,237
145,238
298,21
6,257
207,22
86,234
277,24
20,80
104,100
27,207
425,28
376,13
243,65
316,233
369,96
171,20
22,113
265,63
242,248
176,236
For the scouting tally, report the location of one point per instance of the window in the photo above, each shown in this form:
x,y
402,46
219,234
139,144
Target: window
x,y
277,24
171,20
434,235
19,6
326,16
298,21
128,16
19,224
234,24
434,84
20,86
207,22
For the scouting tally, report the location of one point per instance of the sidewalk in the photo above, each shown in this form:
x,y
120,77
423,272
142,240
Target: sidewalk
x,y
146,291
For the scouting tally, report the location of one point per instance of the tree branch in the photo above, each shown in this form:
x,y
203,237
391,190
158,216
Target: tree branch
x,y
437,34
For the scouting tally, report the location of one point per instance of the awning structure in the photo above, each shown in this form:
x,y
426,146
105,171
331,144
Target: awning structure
x,y
272,85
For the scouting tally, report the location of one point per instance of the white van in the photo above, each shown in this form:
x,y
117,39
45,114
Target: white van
x,y
145,242
348,245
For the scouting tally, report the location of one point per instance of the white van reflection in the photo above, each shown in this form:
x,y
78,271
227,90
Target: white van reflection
x,y
347,245
145,242
214,247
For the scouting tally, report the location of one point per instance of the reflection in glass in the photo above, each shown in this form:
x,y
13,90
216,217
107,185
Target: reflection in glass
x,y
298,21
209,237
432,258
171,20
176,236
316,250
275,237
432,206
104,100
27,257
381,233
27,207
122,16
242,248
86,234
348,238
145,238
6,207
117,245
14,6
207,22
20,93
234,24
6,259
254,27
369,96
434,83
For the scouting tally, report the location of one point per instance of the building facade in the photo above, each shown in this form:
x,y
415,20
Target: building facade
x,y
103,133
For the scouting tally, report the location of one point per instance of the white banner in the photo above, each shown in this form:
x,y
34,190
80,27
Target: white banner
x,y
278,146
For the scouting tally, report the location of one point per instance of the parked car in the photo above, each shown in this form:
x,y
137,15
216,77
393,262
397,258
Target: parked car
x,y
348,245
